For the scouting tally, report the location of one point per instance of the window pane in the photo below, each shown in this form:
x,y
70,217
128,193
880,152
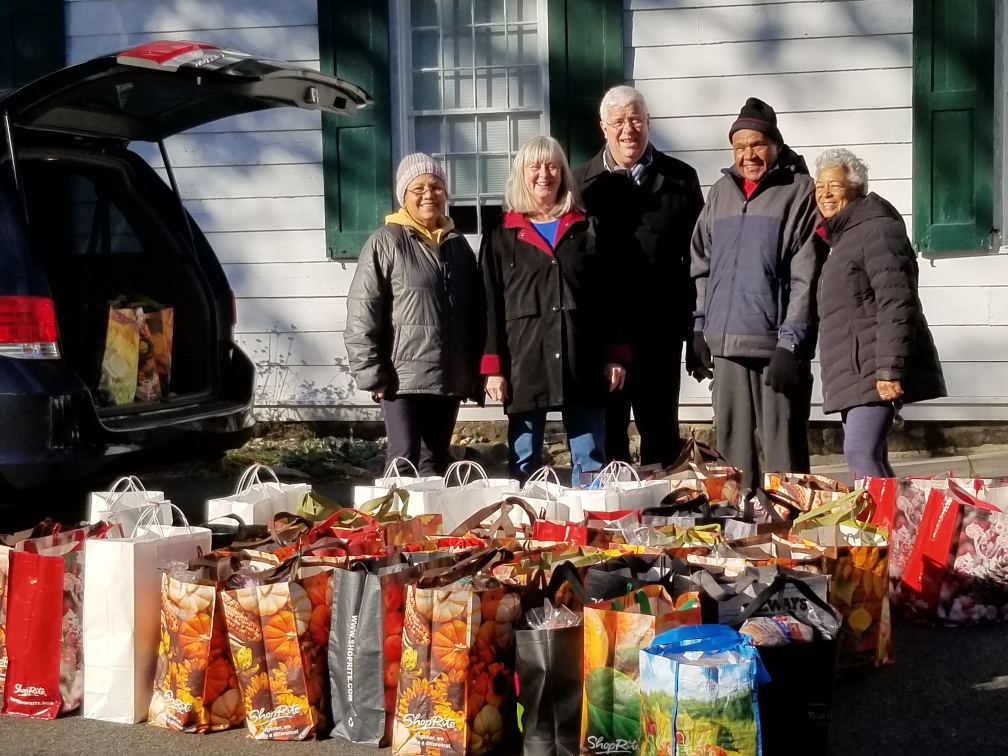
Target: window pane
x,y
464,217
458,89
427,91
490,217
427,135
493,134
423,12
491,88
461,134
425,49
521,10
491,46
456,12
523,128
525,91
489,11
458,49
462,177
523,45
493,174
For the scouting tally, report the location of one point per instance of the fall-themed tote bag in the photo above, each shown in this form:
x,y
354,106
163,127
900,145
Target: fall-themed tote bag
x,y
279,632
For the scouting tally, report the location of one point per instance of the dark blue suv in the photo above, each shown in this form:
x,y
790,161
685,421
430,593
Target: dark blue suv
x,y
84,220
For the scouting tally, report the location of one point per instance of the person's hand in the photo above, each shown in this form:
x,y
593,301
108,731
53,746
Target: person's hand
x,y
889,390
699,362
616,374
496,388
378,394
786,371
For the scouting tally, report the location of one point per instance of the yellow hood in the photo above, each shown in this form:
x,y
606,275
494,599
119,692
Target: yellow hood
x,y
403,218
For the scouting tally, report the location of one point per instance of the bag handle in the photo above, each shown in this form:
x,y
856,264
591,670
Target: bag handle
x,y
778,585
610,475
545,474
470,565
696,638
848,507
503,524
565,572
456,469
381,506
250,478
151,513
393,467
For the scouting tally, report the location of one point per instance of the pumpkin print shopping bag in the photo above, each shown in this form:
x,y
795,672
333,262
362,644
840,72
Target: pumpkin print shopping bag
x,y
279,634
195,687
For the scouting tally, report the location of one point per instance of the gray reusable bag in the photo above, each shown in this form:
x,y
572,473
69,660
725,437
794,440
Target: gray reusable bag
x,y
355,657
549,666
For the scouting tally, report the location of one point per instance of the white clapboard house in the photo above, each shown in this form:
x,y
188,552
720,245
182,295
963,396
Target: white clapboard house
x,y
916,87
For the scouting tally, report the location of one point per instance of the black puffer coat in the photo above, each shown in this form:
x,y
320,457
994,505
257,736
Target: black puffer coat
x,y
872,327
550,313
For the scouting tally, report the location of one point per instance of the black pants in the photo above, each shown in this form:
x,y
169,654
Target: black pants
x,y
419,427
744,406
651,389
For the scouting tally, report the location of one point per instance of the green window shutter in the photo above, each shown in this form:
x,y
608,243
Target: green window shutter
x,y
585,59
356,151
32,40
953,127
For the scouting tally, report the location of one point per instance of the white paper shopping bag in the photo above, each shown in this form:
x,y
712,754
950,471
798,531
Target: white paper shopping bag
x,y
616,487
459,494
257,501
122,613
124,501
392,478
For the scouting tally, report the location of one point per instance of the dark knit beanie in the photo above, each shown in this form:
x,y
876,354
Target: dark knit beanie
x,y
758,116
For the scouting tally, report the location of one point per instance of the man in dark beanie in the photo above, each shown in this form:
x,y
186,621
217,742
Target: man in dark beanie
x,y
648,202
756,268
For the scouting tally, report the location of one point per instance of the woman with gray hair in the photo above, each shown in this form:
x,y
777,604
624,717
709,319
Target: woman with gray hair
x,y
876,351
415,313
551,339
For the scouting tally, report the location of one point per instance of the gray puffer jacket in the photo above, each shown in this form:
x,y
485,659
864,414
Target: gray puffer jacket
x,y
755,263
416,319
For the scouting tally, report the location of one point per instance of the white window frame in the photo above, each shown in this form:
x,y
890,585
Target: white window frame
x,y
402,85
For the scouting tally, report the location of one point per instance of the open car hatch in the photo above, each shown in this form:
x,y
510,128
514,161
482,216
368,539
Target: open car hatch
x,y
158,89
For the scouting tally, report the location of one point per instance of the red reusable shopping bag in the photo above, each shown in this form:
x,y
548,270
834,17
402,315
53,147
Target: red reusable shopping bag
x,y
930,556
560,532
883,491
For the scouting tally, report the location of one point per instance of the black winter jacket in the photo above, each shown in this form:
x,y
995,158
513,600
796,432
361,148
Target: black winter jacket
x,y
872,327
415,318
550,328
652,225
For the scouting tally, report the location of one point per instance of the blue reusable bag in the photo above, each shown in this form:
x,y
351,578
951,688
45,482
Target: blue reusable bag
x,y
698,693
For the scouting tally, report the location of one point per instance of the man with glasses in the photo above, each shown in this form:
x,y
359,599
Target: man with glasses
x,y
650,202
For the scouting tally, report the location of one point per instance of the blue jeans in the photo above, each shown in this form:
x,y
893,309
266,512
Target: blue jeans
x,y
585,428
866,439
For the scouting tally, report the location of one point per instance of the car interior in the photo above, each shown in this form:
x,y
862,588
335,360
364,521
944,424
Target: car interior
x,y
99,239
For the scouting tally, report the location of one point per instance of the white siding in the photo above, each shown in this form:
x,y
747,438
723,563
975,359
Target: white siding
x,y
838,73
254,184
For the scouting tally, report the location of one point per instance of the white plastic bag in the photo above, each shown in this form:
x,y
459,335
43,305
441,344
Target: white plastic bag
x,y
392,478
616,487
458,495
123,503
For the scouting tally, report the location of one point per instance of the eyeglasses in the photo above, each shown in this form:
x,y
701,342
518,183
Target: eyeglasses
x,y
420,191
635,123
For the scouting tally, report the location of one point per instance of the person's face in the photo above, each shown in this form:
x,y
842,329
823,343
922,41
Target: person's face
x,y
425,199
832,192
542,179
755,153
626,131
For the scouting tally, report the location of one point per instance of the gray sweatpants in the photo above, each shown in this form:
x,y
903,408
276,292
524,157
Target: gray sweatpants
x,y
744,406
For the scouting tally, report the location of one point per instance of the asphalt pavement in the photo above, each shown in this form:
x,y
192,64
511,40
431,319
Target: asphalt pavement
x,y
946,691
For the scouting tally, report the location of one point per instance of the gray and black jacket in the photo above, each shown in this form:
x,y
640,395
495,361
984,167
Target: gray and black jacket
x,y
756,265
873,327
416,320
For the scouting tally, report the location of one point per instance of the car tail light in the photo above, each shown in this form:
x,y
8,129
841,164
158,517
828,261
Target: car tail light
x,y
28,328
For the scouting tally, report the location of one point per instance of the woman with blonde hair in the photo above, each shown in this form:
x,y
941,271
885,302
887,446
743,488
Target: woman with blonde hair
x,y
552,340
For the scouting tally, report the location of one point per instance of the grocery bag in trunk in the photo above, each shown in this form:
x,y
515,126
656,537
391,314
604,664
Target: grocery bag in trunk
x,y
124,502
155,358
45,675
122,355
121,611
257,501
699,693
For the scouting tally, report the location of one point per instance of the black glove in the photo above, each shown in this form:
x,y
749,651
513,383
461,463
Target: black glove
x,y
699,363
786,371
